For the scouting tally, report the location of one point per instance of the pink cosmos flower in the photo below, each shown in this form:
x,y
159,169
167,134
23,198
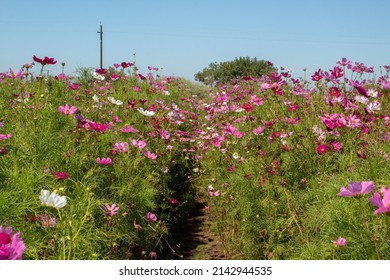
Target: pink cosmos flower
x,y
138,227
357,188
129,129
45,60
258,130
67,110
382,204
109,210
322,149
121,147
150,155
5,136
139,144
340,242
336,146
11,244
150,217
103,161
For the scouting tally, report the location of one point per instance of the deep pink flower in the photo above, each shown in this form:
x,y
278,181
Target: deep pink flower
x,y
44,61
103,161
322,149
317,75
61,175
172,201
98,126
67,110
74,86
340,242
11,244
382,204
150,217
357,188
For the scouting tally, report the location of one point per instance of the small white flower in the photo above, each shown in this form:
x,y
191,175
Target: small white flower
x,y
196,170
97,76
372,92
236,156
361,99
114,101
95,98
146,112
373,106
52,199
167,92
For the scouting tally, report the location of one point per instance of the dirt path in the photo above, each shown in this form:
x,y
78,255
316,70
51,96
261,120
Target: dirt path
x,y
197,241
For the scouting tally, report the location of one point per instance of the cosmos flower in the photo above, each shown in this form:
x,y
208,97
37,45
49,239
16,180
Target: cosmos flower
x,y
11,244
52,199
357,188
340,242
67,110
110,210
146,112
103,161
382,204
114,101
45,60
150,217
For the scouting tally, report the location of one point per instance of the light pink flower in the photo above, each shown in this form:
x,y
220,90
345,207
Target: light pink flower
x,y
67,110
150,155
150,217
357,188
258,130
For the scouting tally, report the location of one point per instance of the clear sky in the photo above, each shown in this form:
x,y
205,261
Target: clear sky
x,y
183,37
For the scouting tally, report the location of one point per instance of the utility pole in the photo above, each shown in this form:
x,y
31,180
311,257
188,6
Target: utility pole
x,y
101,46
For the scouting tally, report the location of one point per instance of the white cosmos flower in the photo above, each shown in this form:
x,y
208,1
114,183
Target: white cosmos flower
x,y
146,112
236,156
114,101
95,98
97,76
52,199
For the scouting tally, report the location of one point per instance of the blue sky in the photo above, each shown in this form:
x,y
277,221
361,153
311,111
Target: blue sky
x,y
183,37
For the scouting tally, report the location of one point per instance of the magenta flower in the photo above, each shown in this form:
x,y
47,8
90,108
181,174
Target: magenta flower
x,y
67,110
150,217
357,188
382,204
5,136
47,221
322,149
11,244
45,60
103,161
110,210
60,175
340,242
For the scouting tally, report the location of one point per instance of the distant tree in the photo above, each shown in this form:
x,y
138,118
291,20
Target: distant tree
x,y
228,71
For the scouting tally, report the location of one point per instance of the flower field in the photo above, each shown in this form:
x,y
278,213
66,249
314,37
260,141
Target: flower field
x,y
110,166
